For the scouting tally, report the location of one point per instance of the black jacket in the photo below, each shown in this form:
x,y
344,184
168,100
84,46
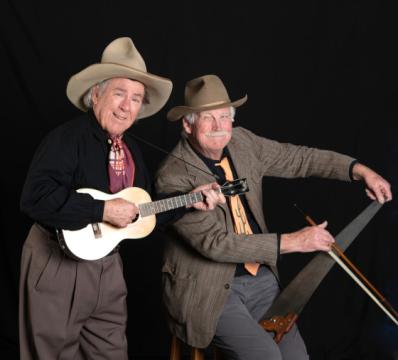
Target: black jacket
x,y
73,156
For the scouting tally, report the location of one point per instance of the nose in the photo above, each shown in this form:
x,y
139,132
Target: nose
x,y
125,104
216,124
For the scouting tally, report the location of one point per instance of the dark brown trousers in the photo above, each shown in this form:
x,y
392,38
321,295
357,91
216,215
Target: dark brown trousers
x,y
70,309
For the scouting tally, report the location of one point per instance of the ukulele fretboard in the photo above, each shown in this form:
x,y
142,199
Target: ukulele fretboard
x,y
156,207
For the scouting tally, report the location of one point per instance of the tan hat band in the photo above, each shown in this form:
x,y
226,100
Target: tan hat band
x,y
215,103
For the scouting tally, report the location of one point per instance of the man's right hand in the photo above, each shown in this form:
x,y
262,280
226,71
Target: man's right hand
x,y
120,212
311,238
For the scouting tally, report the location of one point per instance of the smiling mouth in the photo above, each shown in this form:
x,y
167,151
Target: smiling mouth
x,y
120,117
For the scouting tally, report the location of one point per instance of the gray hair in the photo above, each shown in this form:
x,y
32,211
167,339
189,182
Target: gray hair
x,y
191,117
88,96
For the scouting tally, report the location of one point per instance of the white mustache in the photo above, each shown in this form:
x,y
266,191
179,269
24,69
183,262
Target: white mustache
x,y
217,133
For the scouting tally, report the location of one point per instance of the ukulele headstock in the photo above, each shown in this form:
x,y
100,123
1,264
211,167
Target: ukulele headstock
x,y
235,187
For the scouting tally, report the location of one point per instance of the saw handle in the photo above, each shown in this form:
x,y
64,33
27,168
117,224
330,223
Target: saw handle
x,y
279,325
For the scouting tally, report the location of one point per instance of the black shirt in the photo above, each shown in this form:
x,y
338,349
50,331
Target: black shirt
x,y
73,156
211,164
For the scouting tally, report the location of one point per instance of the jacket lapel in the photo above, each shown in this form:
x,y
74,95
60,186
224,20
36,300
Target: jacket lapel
x,y
198,177
244,169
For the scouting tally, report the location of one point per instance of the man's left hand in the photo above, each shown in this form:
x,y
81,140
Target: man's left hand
x,y
212,197
377,188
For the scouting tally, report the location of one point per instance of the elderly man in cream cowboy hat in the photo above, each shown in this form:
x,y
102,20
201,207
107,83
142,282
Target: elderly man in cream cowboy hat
x,y
220,277
77,309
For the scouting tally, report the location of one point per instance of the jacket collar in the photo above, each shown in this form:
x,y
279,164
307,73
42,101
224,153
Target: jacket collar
x,y
98,131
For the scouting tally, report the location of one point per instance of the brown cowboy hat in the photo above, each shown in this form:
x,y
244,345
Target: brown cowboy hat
x,y
204,93
120,59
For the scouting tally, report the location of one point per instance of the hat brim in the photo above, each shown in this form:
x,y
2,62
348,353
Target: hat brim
x,y
178,112
157,88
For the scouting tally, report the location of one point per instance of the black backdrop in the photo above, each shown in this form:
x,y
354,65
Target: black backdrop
x,y
317,73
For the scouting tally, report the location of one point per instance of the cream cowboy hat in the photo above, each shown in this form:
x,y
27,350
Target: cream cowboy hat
x,y
120,59
204,93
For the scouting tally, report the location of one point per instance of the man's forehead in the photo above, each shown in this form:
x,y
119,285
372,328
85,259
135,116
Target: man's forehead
x,y
216,111
124,84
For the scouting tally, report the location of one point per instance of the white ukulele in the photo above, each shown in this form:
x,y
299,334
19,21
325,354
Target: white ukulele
x,y
97,240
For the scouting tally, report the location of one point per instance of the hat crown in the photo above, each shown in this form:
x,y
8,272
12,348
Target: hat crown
x,y
205,91
120,59
123,52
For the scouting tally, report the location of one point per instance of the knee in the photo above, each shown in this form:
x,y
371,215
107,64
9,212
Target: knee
x,y
252,349
254,354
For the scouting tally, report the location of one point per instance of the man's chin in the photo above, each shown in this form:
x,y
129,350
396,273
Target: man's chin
x,y
218,146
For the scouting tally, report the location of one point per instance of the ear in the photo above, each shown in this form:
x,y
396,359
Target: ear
x,y
94,95
187,126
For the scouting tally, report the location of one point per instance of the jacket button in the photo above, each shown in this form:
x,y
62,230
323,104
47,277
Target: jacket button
x,y
227,286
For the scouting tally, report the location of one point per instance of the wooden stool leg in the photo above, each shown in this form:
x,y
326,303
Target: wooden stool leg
x,y
196,354
175,349
216,354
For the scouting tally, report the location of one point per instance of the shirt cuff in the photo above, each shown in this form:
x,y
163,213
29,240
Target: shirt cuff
x,y
351,169
98,211
278,250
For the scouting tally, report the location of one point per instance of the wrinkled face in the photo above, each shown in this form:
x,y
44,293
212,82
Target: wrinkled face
x,y
116,107
210,132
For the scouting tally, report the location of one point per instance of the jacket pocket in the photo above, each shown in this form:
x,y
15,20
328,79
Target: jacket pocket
x,y
178,293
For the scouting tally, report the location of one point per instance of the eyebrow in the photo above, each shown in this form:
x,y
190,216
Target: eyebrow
x,y
209,113
124,91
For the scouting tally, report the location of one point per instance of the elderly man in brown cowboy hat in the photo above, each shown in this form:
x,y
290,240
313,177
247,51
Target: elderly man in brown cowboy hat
x,y
73,309
219,270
